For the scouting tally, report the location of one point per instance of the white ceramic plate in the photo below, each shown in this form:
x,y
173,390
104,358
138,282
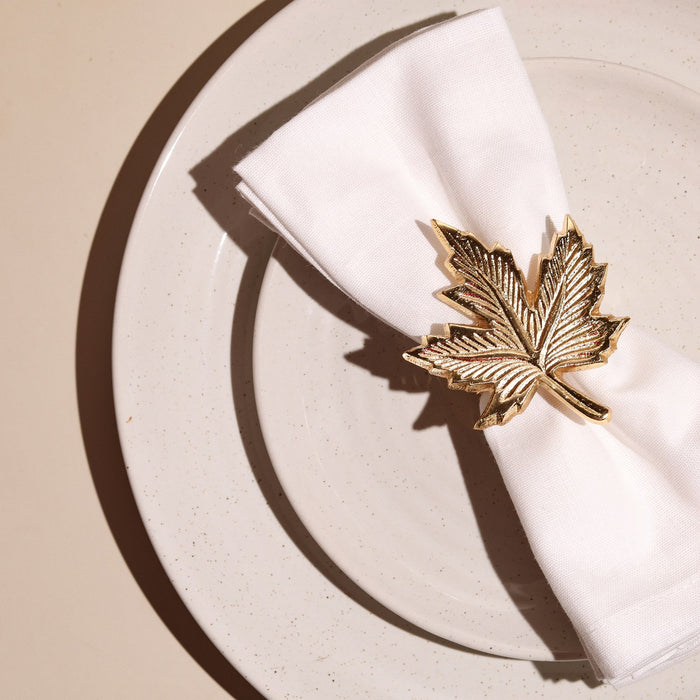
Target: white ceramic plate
x,y
380,462
260,587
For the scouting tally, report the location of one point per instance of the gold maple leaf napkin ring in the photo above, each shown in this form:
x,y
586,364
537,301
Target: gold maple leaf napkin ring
x,y
525,338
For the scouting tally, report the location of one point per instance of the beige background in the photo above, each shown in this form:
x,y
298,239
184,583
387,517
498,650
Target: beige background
x,y
90,92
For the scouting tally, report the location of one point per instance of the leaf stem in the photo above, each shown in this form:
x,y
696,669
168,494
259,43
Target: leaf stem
x,y
581,404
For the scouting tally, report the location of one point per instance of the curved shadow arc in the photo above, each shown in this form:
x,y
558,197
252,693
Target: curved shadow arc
x,y
93,355
215,181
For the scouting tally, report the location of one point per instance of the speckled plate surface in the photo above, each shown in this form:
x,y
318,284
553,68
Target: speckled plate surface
x,y
269,597
379,461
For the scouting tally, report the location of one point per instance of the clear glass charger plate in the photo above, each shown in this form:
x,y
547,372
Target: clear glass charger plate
x,y
207,491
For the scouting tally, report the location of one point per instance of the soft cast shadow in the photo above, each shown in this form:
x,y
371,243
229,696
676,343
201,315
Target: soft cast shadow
x,y
246,410
568,671
214,177
500,528
93,355
215,187
499,525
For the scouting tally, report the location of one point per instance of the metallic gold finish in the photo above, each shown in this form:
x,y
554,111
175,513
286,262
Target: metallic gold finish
x,y
527,338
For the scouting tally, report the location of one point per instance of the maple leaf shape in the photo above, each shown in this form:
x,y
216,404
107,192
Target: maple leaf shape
x,y
526,338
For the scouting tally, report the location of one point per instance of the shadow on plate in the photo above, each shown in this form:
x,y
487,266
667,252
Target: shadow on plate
x,y
94,341
500,528
215,188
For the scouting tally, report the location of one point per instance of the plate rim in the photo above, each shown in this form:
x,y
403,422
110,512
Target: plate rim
x,y
120,311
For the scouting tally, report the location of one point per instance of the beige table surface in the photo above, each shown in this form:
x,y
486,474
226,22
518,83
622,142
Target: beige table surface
x,y
88,88
90,93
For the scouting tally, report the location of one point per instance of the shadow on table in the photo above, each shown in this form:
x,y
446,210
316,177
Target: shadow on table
x,y
93,355
94,341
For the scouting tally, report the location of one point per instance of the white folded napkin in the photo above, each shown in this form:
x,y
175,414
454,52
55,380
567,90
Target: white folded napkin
x,y
445,125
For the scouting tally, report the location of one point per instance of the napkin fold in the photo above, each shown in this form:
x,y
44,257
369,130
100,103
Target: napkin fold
x,y
444,124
